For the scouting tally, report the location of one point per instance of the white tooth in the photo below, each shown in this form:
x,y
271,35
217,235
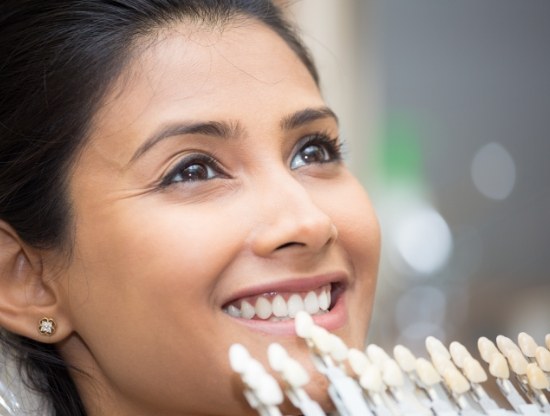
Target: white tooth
x,y
404,358
473,371
338,349
371,379
435,346
358,361
442,363
486,349
279,306
295,304
233,311
311,303
294,373
517,362
543,358
304,324
458,353
536,377
427,372
247,310
323,300
238,358
391,374
527,344
506,346
263,308
498,367
321,339
277,356
456,381
268,391
377,355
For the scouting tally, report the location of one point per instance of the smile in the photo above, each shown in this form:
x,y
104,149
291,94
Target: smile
x,y
281,306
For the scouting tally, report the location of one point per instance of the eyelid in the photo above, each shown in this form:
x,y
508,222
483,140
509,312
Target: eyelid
x,y
332,145
167,179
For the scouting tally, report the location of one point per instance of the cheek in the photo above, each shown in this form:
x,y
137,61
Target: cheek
x,y
152,256
143,289
359,238
358,228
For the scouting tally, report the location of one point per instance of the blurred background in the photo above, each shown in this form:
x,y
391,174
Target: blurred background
x,y
445,106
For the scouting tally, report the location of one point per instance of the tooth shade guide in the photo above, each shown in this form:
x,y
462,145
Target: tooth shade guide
x,y
371,379
498,366
303,324
404,358
507,346
435,346
459,353
377,355
321,339
338,349
486,349
388,387
276,356
536,377
473,370
391,374
542,356
427,372
456,382
441,363
517,362
238,358
358,361
527,344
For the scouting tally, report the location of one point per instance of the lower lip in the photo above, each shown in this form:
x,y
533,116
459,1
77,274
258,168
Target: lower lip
x,y
332,320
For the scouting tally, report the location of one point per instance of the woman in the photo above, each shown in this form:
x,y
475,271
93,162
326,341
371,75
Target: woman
x,y
171,183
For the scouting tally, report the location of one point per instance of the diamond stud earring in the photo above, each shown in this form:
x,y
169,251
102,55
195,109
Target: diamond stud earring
x,y
46,326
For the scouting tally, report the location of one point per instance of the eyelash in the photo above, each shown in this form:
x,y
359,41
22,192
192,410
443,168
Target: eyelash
x,y
331,148
206,161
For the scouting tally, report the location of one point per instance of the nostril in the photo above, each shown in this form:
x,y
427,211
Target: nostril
x,y
290,244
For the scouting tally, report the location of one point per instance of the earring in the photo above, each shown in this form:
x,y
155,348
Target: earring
x,y
46,326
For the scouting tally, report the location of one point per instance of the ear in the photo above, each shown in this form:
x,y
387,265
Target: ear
x,y
26,295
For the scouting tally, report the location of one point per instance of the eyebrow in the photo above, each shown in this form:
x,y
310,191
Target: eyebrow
x,y
308,115
219,129
225,130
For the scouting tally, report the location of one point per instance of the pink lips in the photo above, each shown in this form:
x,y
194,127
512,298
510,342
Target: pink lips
x,y
333,319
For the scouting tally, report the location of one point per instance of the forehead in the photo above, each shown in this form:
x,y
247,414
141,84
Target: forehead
x,y
197,72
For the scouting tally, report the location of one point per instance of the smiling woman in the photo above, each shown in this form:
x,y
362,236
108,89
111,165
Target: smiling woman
x,y
171,183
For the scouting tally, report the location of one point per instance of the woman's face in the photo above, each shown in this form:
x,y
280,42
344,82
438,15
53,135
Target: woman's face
x,y
211,186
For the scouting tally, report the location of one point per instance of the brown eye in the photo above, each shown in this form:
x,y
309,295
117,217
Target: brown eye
x,y
314,154
194,168
195,172
316,150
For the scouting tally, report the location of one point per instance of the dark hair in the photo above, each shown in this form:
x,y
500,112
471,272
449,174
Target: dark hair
x,y
57,60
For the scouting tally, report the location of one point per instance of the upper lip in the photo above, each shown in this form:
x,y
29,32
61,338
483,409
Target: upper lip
x,y
299,284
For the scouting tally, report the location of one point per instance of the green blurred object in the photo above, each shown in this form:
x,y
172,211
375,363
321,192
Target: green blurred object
x,y
400,152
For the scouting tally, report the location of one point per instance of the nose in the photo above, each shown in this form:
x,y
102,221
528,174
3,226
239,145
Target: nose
x,y
289,218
